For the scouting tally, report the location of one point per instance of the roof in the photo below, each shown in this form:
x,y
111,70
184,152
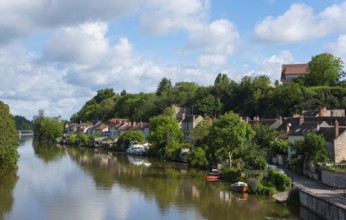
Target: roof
x,y
329,133
295,69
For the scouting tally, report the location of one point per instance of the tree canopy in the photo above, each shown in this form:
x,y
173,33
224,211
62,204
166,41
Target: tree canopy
x,y
165,135
228,135
312,148
8,139
48,129
324,70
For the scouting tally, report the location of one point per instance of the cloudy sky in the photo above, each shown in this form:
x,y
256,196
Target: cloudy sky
x,y
55,54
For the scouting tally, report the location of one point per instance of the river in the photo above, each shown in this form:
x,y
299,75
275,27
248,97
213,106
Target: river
x,y
55,182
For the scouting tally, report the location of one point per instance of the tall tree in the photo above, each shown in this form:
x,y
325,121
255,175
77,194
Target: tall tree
x,y
8,139
48,129
228,136
164,85
312,148
164,135
324,70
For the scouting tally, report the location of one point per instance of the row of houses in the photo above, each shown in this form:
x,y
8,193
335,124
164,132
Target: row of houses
x,y
114,127
331,124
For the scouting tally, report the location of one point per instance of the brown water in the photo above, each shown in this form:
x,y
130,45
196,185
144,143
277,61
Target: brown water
x,y
54,182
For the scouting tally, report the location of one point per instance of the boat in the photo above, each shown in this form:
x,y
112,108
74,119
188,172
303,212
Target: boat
x,y
213,176
239,187
136,149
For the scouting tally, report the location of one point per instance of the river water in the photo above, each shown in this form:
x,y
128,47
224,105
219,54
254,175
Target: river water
x,y
55,182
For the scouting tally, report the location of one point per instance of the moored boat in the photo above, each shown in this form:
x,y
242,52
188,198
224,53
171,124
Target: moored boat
x,y
213,176
239,187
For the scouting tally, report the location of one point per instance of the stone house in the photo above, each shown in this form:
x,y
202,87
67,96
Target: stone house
x,y
291,71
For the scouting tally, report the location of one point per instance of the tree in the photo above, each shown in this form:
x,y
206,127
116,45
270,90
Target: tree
x,y
279,147
100,107
312,148
48,129
164,135
164,85
8,139
228,135
324,70
128,137
22,123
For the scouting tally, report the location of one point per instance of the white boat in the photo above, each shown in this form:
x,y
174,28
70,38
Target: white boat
x,y
239,187
136,149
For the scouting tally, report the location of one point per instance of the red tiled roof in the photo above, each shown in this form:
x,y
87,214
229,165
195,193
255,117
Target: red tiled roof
x,y
295,69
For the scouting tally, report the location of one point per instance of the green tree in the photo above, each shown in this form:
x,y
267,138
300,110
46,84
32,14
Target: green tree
x,y
100,107
324,70
48,129
197,158
128,137
164,135
312,148
228,136
164,85
22,123
8,139
279,147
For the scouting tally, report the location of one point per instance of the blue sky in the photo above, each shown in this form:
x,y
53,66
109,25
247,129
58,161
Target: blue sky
x,y
56,54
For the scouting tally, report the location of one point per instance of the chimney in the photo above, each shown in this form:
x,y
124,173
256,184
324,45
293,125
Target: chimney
x,y
318,127
134,124
322,111
280,120
336,128
301,119
288,127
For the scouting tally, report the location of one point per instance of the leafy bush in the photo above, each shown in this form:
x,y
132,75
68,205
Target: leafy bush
x,y
197,158
279,180
253,184
266,190
232,175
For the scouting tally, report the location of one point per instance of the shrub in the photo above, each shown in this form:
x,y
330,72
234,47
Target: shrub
x,y
253,184
265,190
197,158
279,180
232,175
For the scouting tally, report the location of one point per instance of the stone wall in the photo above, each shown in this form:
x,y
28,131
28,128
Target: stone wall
x,y
334,179
322,208
340,149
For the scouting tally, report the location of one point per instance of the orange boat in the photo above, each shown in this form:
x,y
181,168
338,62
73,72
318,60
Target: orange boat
x,y
213,177
239,187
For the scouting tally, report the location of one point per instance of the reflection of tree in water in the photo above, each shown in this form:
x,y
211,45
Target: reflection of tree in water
x,y
48,152
170,184
7,182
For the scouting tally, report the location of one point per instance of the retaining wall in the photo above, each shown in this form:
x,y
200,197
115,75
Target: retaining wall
x,y
322,206
334,179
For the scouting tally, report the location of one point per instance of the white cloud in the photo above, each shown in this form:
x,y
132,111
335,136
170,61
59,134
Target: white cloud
x,y
18,18
272,66
162,17
82,44
300,23
338,48
218,37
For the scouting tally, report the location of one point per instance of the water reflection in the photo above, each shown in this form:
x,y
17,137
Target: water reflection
x,y
59,182
48,152
7,182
